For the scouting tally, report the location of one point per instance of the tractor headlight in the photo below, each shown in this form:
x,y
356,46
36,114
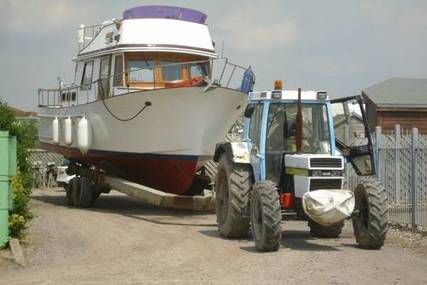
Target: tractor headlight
x,y
336,173
322,95
326,173
276,94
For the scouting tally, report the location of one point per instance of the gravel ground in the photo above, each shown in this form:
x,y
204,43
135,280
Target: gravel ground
x,y
122,241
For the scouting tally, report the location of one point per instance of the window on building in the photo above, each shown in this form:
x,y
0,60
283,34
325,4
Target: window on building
x,y
86,83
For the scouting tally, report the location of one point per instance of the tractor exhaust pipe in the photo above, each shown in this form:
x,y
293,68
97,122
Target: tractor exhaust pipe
x,y
298,131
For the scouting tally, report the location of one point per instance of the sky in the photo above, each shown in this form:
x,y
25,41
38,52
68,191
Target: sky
x,y
339,46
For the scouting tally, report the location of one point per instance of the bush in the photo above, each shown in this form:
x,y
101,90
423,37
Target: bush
x,y
26,134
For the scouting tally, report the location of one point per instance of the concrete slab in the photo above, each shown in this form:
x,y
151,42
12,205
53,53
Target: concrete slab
x,y
161,199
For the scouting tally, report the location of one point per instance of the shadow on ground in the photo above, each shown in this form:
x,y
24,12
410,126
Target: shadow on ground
x,y
291,239
128,207
133,208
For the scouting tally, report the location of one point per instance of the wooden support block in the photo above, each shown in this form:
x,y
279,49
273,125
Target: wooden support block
x,y
17,252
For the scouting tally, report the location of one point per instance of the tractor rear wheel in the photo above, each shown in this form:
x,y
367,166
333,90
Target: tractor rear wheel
x,y
232,185
266,216
370,222
320,231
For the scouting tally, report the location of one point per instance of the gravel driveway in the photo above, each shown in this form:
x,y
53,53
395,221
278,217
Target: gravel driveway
x,y
122,241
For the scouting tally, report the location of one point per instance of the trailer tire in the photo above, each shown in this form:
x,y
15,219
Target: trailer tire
x,y
320,231
85,197
370,224
266,216
232,185
69,193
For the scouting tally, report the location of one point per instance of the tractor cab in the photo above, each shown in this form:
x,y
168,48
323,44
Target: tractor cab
x,y
283,125
296,147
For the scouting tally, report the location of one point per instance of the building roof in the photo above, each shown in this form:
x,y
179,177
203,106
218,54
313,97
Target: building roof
x,y
43,156
20,113
399,93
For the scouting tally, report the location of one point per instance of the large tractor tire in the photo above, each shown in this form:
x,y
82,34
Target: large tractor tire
x,y
370,223
232,185
266,216
319,231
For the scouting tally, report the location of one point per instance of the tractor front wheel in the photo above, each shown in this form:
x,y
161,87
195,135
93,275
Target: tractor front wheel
x,y
266,216
370,221
232,186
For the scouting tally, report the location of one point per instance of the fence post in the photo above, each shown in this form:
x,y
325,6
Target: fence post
x,y
377,150
414,138
397,163
346,167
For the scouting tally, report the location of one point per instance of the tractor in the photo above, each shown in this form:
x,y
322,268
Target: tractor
x,y
291,163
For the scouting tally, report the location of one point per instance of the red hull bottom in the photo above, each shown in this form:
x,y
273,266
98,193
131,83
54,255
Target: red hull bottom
x,y
168,173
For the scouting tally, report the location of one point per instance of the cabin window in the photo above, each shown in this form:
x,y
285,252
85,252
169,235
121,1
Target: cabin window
x,y
171,70
118,70
198,69
149,70
104,78
86,83
142,69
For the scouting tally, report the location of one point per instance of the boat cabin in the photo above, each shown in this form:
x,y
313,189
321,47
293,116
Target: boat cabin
x,y
121,72
152,47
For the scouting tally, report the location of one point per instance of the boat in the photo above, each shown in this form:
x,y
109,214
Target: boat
x,y
150,98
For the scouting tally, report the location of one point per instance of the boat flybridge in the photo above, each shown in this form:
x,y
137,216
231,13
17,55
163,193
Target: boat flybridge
x,y
149,101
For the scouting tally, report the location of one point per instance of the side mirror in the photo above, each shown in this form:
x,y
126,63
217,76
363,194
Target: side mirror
x,y
249,110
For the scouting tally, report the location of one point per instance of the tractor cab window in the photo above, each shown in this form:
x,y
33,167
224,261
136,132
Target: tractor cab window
x,y
255,126
351,134
281,128
281,133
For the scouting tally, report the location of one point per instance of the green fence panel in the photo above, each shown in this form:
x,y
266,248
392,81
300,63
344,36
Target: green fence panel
x,y
7,170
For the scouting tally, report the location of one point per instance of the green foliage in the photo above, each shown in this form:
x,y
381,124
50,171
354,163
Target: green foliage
x,y
20,213
26,134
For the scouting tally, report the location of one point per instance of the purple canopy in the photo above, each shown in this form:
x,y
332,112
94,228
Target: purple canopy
x,y
165,12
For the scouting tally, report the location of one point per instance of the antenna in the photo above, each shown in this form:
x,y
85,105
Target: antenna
x,y
298,133
222,49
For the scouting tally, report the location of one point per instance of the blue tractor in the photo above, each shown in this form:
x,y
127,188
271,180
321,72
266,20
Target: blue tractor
x,y
291,162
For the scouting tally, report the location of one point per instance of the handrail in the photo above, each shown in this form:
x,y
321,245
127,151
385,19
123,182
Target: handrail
x,y
70,95
95,30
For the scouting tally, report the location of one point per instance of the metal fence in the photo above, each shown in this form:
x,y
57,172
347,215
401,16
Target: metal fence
x,y
401,162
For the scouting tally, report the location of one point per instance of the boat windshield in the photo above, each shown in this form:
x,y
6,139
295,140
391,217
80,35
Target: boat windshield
x,y
281,131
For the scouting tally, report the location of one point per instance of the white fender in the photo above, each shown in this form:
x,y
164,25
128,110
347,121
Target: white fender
x,y
55,130
241,152
84,135
68,131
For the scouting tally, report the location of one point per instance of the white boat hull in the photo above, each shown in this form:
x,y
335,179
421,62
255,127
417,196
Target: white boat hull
x,y
182,125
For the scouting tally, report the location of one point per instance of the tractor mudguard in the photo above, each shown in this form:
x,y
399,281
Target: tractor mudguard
x,y
237,152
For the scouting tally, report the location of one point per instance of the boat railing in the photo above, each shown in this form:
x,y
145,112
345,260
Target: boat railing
x,y
87,34
215,72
